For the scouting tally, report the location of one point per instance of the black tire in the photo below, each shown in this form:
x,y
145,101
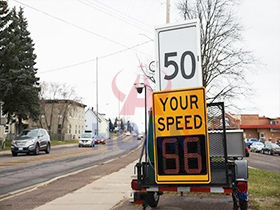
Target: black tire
x,y
243,205
48,149
14,154
152,199
37,149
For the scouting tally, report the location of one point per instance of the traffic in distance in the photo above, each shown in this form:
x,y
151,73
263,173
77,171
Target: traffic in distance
x,y
263,146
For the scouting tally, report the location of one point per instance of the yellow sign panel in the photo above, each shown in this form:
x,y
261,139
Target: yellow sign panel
x,y
181,146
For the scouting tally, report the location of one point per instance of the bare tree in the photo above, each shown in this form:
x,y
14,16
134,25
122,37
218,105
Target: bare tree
x,y
56,100
224,59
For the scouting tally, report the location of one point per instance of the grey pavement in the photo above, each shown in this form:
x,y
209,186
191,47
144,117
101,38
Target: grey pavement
x,y
102,194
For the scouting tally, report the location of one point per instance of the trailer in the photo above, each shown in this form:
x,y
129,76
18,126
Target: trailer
x,y
179,169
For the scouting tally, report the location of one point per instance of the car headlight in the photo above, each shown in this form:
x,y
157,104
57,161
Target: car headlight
x,y
31,141
13,142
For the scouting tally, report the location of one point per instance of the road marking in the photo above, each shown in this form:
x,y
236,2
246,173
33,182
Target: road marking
x,y
36,186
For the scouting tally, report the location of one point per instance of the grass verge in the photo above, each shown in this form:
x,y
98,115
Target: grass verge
x,y
264,190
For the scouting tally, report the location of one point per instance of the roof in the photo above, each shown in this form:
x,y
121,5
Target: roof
x,y
100,117
49,101
259,126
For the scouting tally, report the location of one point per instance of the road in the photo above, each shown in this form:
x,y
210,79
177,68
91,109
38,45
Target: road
x,y
15,172
264,162
189,201
24,171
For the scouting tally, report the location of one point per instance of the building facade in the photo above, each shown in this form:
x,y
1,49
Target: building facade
x,y
91,121
258,127
63,119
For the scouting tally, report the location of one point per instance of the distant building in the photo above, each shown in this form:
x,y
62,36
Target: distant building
x,y
63,119
258,127
91,123
253,125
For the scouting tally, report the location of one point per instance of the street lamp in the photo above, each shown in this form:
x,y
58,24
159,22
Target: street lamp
x,y
139,87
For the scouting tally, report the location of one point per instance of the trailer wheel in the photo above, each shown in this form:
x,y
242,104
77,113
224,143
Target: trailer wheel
x,y
152,199
243,205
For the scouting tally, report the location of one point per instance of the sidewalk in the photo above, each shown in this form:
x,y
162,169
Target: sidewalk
x,y
102,194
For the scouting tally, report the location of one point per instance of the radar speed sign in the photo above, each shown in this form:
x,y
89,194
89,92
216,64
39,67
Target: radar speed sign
x,y
181,147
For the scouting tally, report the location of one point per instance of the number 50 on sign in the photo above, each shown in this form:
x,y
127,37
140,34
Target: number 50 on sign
x,y
178,56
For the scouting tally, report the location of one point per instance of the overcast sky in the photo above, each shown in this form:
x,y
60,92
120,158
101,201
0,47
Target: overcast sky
x,y
70,34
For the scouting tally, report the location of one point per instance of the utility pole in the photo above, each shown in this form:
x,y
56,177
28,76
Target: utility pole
x,y
168,11
97,96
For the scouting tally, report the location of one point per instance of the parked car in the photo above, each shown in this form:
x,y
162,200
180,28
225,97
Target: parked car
x,y
31,141
251,141
87,140
256,147
271,149
100,139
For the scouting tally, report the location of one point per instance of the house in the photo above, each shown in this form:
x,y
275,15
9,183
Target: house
x,y
258,127
253,125
91,123
63,119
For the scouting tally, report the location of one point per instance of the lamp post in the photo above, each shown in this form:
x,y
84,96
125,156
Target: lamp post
x,y
139,89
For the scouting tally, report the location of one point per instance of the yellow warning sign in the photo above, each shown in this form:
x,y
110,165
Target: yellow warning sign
x,y
181,144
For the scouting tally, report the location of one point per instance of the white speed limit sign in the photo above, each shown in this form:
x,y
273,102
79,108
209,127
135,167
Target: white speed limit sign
x,y
178,56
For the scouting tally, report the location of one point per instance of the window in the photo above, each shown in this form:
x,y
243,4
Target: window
x,y
59,128
70,128
273,122
59,112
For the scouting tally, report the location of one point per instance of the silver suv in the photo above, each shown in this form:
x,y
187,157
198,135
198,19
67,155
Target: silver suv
x,y
31,141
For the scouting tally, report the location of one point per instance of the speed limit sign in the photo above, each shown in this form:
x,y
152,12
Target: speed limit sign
x,y
178,56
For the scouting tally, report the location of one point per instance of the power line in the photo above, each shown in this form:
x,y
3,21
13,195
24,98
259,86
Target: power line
x,y
92,60
71,24
107,12
134,19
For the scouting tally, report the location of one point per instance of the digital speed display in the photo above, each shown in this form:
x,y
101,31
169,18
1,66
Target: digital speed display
x,y
181,147
182,155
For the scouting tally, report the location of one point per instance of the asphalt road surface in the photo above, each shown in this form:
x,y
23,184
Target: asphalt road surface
x,y
264,162
24,171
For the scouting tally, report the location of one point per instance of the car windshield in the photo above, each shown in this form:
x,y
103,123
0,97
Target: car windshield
x,y
86,135
275,146
254,140
258,143
29,133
